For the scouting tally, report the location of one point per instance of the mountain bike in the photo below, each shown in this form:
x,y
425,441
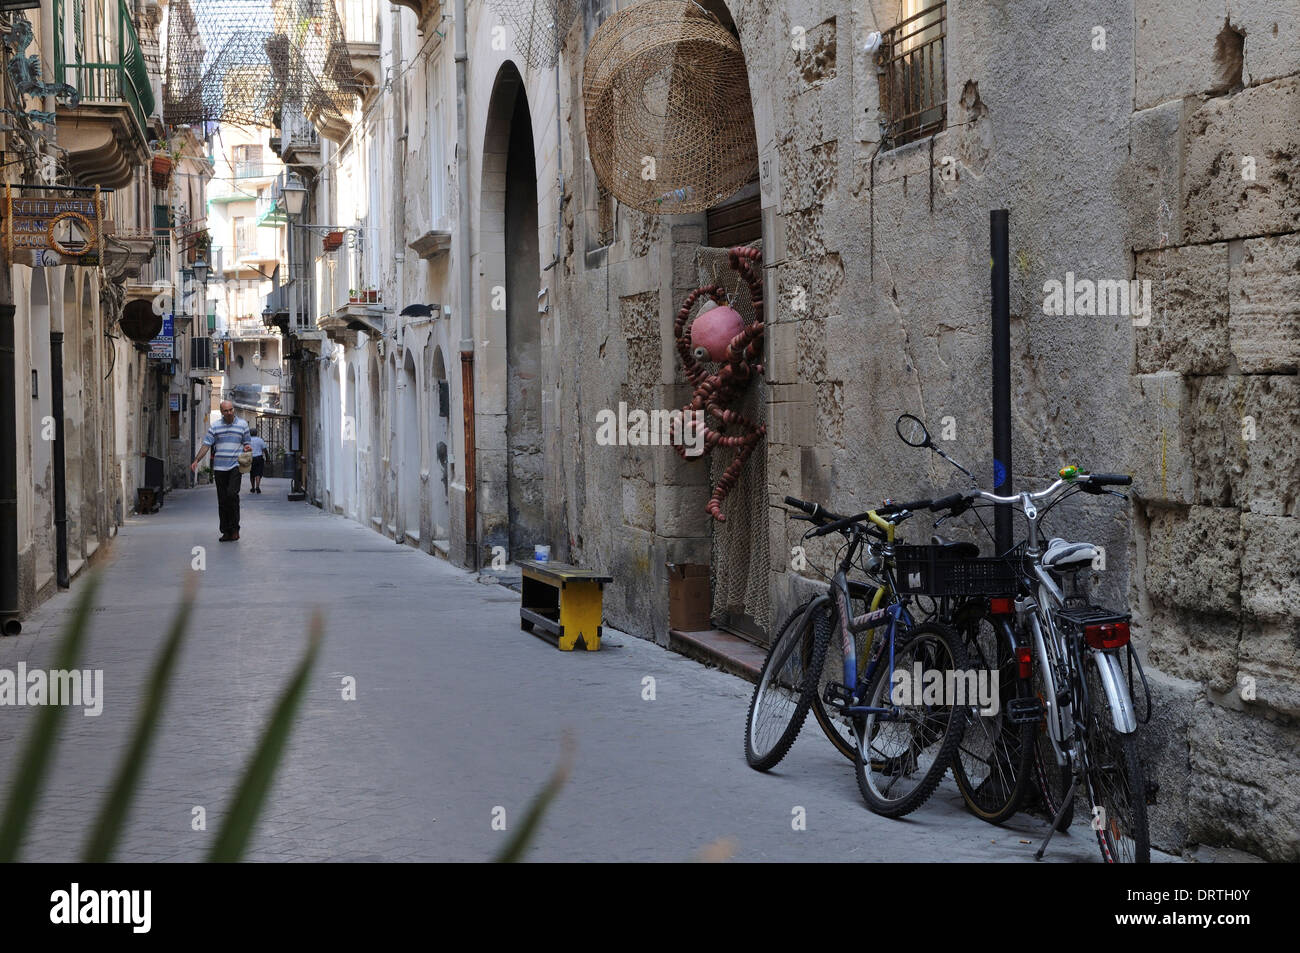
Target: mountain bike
x,y
904,734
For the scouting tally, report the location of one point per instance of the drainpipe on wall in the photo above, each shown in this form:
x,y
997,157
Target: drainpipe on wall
x,y
465,296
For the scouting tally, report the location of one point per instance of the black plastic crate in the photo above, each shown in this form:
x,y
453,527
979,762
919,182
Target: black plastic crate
x,y
935,571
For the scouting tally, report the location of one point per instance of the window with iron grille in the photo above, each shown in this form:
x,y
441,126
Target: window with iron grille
x,y
913,81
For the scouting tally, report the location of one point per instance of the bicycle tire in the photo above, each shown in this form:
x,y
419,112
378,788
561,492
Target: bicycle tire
x,y
837,728
1116,782
1053,780
939,729
773,741
994,762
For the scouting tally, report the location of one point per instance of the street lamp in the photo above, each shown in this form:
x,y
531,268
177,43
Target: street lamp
x,y
201,270
294,194
268,316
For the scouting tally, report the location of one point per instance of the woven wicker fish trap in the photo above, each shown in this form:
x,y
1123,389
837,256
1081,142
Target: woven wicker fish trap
x,y
670,128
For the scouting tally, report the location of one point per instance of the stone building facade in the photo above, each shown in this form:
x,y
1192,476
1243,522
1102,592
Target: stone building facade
x,y
95,315
1131,141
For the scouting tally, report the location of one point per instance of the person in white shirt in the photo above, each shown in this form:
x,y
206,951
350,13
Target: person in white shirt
x,y
259,463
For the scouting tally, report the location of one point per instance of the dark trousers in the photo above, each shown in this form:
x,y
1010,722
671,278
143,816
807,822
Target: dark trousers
x,y
228,499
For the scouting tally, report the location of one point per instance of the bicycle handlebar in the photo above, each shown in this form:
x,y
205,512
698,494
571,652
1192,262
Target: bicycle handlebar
x,y
815,510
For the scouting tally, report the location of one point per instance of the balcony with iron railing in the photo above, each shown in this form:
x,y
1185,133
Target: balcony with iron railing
x,y
106,135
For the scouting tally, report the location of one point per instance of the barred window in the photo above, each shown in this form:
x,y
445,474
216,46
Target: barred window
x,y
913,80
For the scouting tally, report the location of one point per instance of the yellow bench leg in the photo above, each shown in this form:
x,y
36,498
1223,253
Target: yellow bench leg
x,y
580,616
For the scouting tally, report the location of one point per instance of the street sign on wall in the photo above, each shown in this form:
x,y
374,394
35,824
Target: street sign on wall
x,y
160,348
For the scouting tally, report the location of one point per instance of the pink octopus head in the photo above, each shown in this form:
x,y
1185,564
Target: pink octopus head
x,y
712,331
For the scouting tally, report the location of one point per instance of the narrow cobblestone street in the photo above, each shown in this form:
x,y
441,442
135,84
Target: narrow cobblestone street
x,y
457,712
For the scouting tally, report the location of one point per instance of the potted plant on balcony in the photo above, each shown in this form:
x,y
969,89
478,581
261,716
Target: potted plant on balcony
x,y
372,294
160,168
354,296
332,240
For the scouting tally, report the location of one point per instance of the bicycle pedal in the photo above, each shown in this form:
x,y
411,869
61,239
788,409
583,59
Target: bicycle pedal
x,y
1024,711
837,696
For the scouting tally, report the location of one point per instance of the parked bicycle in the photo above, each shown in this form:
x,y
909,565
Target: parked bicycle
x,y
902,745
1083,666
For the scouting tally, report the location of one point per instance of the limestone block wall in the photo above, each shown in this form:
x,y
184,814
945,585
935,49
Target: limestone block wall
x,y
1215,216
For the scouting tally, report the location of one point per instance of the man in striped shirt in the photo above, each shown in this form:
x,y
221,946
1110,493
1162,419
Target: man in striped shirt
x,y
226,438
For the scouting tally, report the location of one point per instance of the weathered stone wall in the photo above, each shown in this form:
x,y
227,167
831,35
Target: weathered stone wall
x,y
1215,218
1114,134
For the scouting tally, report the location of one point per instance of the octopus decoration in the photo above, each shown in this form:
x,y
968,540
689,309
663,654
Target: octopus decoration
x,y
739,363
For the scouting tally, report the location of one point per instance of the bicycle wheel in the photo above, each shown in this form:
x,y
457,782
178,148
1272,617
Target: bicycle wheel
x,y
994,761
838,727
784,692
1116,783
1052,779
901,757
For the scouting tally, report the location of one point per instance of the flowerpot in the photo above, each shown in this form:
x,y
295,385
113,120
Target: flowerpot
x,y
332,241
355,299
372,296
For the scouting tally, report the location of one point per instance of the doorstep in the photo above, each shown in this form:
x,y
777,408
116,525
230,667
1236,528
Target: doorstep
x,y
728,652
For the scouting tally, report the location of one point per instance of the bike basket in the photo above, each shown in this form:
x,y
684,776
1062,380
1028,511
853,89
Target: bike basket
x,y
935,571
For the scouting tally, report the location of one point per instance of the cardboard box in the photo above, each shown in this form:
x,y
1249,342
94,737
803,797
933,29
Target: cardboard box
x,y
690,597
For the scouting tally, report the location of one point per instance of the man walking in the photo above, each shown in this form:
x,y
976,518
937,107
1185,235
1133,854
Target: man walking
x,y
259,464
225,439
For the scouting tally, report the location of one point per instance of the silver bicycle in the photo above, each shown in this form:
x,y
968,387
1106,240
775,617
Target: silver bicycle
x,y
1084,668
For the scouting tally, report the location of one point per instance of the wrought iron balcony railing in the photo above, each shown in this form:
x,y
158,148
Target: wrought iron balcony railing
x,y
124,80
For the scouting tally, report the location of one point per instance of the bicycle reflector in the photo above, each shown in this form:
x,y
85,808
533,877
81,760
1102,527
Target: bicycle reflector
x,y
1107,635
1000,605
1025,660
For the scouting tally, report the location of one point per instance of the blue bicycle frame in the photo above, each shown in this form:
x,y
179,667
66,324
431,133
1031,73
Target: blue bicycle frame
x,y
889,616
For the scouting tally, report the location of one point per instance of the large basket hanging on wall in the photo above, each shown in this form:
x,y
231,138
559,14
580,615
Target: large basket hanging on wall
x,y
670,128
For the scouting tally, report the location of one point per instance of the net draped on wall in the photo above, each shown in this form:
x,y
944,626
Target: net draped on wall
x,y
670,129
240,61
740,564
536,28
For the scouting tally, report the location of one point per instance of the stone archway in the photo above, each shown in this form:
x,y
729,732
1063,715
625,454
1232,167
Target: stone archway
x,y
439,447
511,279
408,468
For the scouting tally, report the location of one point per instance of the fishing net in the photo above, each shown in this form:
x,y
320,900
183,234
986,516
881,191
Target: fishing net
x,y
740,565
241,61
536,28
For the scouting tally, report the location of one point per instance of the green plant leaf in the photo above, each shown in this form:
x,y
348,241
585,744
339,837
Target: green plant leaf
x,y
513,852
112,817
42,741
256,782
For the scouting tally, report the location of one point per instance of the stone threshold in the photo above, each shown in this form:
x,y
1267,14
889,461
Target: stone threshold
x,y
728,652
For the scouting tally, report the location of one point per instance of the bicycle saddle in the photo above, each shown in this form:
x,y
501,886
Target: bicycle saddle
x,y
955,547
1064,556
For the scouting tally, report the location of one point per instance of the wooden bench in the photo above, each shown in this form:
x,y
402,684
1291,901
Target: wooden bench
x,y
562,604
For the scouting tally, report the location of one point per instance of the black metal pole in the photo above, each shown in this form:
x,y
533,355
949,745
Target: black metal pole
x,y
60,478
1000,255
9,613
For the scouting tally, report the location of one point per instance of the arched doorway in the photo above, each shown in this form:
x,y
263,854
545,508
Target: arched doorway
x,y
374,451
408,478
351,459
439,445
512,265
